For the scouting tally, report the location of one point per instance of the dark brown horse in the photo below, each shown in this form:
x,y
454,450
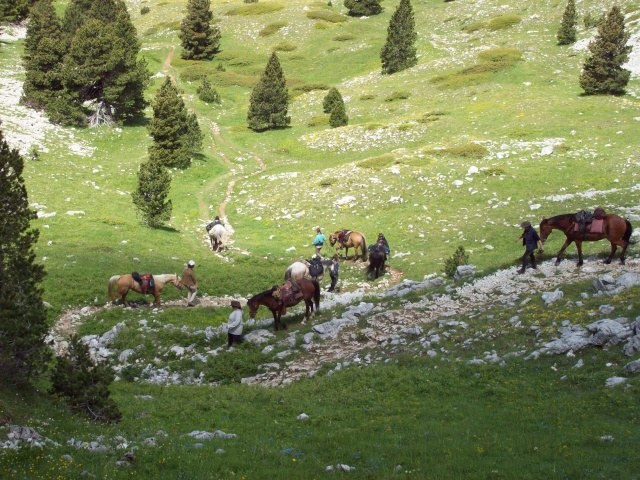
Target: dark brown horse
x,y
377,259
310,293
348,238
616,229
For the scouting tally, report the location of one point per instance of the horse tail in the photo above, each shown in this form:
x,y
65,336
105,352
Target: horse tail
x,y
316,293
628,232
112,283
287,274
364,249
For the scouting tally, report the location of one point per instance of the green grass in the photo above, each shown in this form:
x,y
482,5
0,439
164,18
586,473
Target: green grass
x,y
500,96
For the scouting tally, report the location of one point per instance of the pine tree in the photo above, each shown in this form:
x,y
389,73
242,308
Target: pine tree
x,y
363,8
14,10
568,33
399,52
44,49
200,40
168,128
76,13
330,100
23,320
85,385
602,72
269,99
338,117
150,197
207,93
194,135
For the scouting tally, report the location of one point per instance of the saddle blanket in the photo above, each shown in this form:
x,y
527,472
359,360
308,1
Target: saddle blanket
x,y
596,226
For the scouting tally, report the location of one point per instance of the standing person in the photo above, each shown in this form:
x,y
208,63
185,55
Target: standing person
x,y
319,241
189,281
333,273
234,325
530,240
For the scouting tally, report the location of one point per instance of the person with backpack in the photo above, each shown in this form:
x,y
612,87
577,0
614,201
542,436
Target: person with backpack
x,y
318,242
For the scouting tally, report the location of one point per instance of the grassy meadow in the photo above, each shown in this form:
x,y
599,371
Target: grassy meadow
x,y
491,90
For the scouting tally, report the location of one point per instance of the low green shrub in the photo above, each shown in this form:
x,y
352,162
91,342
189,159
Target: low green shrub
x,y
459,257
474,27
344,37
468,150
397,96
310,87
285,47
326,16
318,120
503,22
272,29
367,96
255,9
593,20
376,163
327,182
501,55
430,117
494,171
144,10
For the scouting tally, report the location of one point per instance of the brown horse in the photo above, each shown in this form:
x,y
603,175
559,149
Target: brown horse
x,y
355,240
616,229
310,291
124,283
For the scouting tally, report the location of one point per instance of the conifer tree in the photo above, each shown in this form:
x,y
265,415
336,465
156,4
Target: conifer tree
x,y
330,100
338,117
194,135
200,40
602,72
269,99
44,49
14,10
568,33
168,128
363,8
399,52
23,320
150,197
207,93
76,13
85,385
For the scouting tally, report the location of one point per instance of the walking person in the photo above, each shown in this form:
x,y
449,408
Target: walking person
x,y
530,240
333,273
318,242
234,325
189,281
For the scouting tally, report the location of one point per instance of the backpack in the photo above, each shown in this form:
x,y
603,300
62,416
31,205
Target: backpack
x,y
315,267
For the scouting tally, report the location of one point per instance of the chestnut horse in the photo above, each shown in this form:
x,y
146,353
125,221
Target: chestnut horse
x,y
310,291
124,283
355,240
616,229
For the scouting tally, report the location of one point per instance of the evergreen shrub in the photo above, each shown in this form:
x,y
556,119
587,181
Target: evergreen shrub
x,y
85,385
503,22
272,29
326,16
459,257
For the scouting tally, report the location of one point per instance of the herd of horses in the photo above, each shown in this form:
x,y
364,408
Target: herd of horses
x,y
615,229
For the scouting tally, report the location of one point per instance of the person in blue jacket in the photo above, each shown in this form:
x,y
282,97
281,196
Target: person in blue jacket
x,y
318,242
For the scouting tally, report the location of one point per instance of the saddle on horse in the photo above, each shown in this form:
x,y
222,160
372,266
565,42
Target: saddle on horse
x,y
587,222
145,281
288,295
343,236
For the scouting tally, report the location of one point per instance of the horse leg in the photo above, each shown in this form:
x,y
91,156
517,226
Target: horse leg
x,y
579,247
567,242
624,249
614,247
156,296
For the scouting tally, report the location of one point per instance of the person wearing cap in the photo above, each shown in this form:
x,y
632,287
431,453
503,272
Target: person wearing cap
x,y
318,242
530,240
234,325
189,281
333,273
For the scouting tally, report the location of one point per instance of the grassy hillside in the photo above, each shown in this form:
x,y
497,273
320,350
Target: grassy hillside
x,y
491,90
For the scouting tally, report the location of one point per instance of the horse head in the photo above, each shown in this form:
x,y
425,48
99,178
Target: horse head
x,y
177,282
333,238
545,229
253,307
